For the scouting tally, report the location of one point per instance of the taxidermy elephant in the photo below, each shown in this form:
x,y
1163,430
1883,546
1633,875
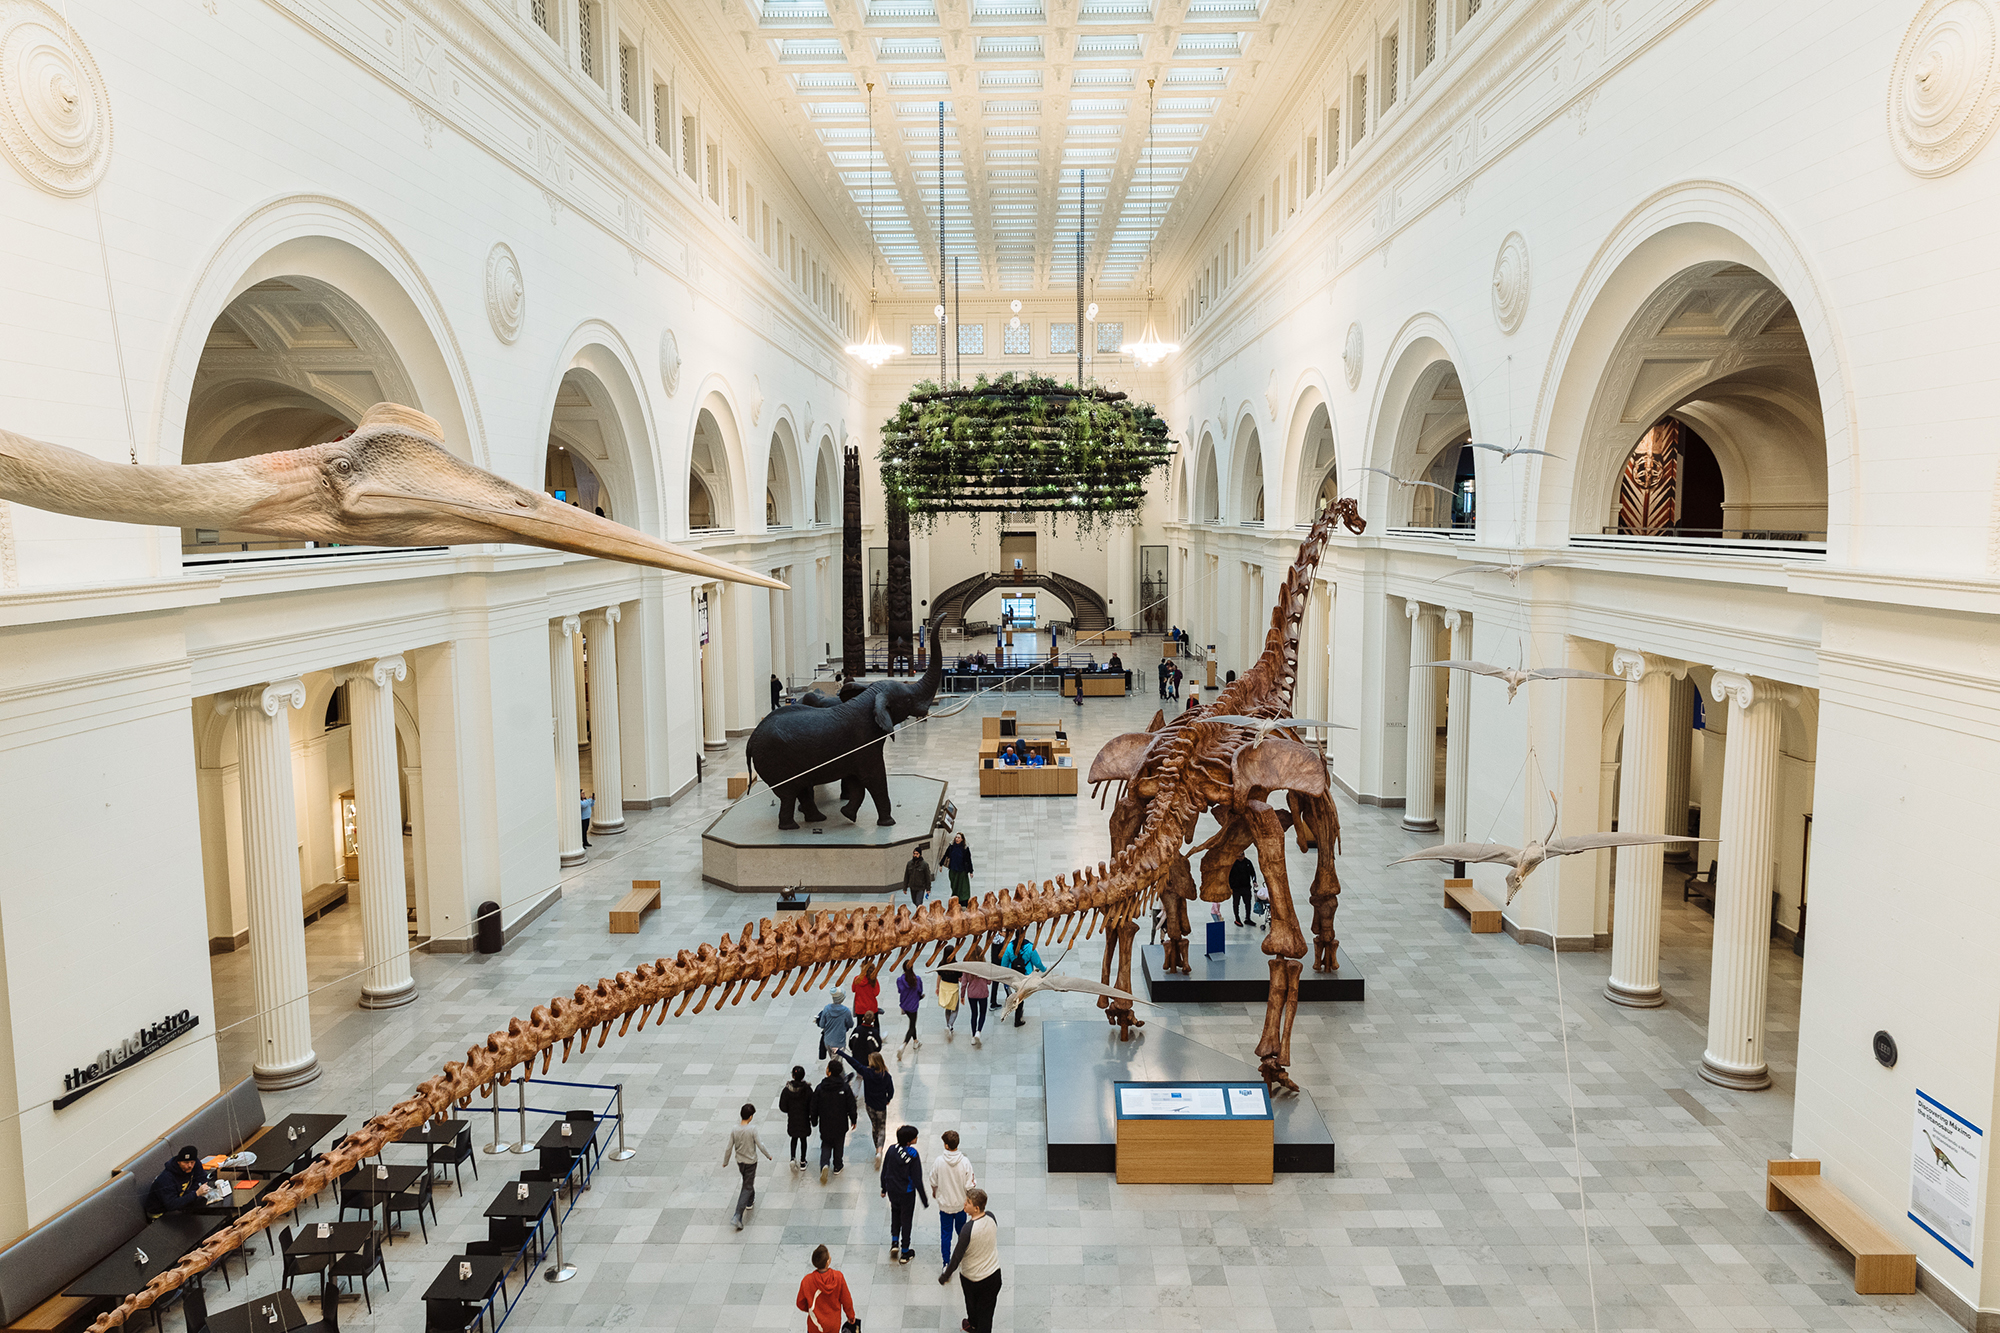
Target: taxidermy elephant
x,y
802,746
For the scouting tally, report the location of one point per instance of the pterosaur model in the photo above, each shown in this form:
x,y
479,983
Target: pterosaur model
x,y
1522,862
1516,677
390,483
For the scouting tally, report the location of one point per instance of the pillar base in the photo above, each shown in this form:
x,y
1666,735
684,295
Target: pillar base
x,y
1419,825
393,998
606,829
1743,1080
575,858
1632,998
278,1078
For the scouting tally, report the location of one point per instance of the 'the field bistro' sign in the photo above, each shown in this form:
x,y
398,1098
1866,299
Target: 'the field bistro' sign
x,y
127,1052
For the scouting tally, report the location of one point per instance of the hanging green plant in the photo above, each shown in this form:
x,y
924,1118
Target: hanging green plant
x,y
1022,444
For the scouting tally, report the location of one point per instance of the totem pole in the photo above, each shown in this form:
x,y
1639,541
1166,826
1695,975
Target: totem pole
x,y
853,609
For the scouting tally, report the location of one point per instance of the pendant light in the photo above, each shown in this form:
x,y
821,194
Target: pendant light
x,y
872,350
1150,350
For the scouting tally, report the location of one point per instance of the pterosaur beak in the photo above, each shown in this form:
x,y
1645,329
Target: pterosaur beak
x,y
564,527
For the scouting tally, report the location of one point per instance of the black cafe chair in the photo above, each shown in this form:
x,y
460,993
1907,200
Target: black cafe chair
x,y
452,1316
452,1156
194,1307
329,1319
591,1145
354,1195
360,1264
293,1267
415,1199
500,1250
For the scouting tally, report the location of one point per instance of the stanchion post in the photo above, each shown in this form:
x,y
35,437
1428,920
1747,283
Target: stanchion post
x,y
559,1271
624,1153
526,1143
496,1146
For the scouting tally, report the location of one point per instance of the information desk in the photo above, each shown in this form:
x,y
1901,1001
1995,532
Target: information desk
x,y
1194,1134
1000,780
1108,684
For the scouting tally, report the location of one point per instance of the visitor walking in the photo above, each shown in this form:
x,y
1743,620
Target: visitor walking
x,y
795,1103
823,1295
777,692
958,865
589,804
976,1260
910,997
743,1149
1162,669
948,981
917,877
867,991
1242,878
835,1113
835,1021
878,1089
903,1186
1079,687
951,1176
1022,957
977,991
1173,682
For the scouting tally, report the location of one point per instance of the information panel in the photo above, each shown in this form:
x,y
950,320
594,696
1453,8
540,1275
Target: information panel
x,y
1944,1174
1194,1101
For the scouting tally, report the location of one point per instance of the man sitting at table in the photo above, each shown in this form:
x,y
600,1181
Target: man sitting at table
x,y
1008,759
179,1185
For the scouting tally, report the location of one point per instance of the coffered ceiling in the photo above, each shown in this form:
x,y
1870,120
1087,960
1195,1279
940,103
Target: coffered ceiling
x,y
1045,107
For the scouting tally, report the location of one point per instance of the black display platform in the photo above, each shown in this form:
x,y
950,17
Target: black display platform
x,y
1243,974
1082,1059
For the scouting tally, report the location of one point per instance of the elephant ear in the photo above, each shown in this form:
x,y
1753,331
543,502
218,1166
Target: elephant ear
x,y
882,717
1277,764
1121,757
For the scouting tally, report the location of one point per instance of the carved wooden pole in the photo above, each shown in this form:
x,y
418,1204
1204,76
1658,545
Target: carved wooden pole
x,y
901,642
853,609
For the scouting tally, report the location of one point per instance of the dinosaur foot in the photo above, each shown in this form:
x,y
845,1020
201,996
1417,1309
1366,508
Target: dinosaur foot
x,y
1275,1076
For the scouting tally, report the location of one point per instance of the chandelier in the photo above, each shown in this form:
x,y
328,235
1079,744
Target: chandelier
x,y
1150,350
872,350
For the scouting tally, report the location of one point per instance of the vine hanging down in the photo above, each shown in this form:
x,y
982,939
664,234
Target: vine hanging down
x,y
1027,444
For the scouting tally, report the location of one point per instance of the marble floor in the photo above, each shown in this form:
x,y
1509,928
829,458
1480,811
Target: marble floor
x,y
1455,1204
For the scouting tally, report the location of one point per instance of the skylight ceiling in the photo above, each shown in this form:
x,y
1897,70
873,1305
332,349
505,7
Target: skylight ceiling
x,y
1036,119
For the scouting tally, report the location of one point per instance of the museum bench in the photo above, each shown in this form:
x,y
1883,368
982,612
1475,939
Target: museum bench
x,y
1882,1267
36,1268
1482,912
645,896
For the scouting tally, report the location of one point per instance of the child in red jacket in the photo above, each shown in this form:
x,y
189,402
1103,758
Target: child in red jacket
x,y
823,1295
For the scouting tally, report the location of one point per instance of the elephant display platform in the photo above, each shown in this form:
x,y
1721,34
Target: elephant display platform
x,y
745,850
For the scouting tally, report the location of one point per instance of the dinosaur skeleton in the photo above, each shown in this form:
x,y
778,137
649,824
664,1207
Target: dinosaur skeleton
x,y
1188,767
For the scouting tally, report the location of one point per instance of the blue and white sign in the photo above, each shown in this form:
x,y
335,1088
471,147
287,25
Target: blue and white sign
x,y
1944,1174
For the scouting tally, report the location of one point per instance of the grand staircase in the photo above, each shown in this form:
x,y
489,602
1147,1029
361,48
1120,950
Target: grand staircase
x,y
1087,610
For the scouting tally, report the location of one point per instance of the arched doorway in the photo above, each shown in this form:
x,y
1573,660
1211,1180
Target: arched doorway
x,y
1246,466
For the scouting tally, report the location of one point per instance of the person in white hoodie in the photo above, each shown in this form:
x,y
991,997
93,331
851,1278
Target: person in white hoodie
x,y
951,1176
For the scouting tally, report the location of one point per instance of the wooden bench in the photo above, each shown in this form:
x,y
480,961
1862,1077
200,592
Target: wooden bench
x,y
1482,911
1881,1266
59,1314
645,896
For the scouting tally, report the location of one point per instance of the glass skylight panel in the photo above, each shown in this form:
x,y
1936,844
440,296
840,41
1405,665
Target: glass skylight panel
x,y
1213,11
1102,78
1184,76
794,14
829,134
1013,154
1024,13
1096,131
1009,48
836,110
1186,106
1125,46
810,50
825,83
911,81
1089,154
1025,107
1008,173
1097,106
902,11
1013,131
909,48
1010,78
915,134
1115,11
928,110
1209,45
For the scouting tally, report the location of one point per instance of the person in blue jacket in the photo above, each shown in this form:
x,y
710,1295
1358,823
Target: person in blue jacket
x,y
878,1089
903,1187
1020,954
179,1184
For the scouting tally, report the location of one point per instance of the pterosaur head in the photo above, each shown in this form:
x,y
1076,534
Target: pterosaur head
x,y
391,483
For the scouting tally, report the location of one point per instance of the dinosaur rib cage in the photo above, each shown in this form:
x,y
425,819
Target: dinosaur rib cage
x,y
809,953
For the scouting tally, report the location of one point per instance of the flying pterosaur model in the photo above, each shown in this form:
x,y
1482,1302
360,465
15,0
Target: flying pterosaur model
x,y
1507,452
1522,862
1407,482
1516,677
1027,984
1513,572
390,483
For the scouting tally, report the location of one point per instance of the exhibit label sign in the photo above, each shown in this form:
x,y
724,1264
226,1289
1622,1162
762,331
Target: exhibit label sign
x,y
1944,1171
1193,1101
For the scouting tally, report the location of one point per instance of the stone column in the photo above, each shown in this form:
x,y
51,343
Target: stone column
x,y
1680,758
601,655
1642,783
285,1056
1457,718
378,809
714,699
1742,956
569,786
1420,782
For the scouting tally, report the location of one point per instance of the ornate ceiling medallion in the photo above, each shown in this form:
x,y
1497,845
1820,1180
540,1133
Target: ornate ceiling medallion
x,y
1510,282
55,114
1943,91
506,293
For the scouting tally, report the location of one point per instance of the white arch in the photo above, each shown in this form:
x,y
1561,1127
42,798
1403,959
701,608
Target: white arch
x,y
714,397
1206,482
1307,456
625,414
1672,230
781,473
1246,470
327,239
827,498
1410,366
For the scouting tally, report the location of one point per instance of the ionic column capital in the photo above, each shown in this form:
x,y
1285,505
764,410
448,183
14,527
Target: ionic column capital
x,y
378,672
289,693
607,614
1453,618
1632,666
570,626
1746,691
1412,608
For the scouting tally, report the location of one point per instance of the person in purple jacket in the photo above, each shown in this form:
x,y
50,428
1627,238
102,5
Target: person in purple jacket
x,y
910,996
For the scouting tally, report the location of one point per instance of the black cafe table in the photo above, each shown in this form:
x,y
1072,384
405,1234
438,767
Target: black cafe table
x,y
433,1133
290,1139
464,1293
276,1313
559,1150
515,1215
243,1194
315,1253
164,1242
383,1183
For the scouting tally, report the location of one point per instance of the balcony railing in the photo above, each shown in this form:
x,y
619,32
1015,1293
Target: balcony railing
x,y
208,554
1454,534
1733,543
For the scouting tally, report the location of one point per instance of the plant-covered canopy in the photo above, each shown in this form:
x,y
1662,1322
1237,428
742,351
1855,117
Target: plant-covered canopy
x,y
1021,444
